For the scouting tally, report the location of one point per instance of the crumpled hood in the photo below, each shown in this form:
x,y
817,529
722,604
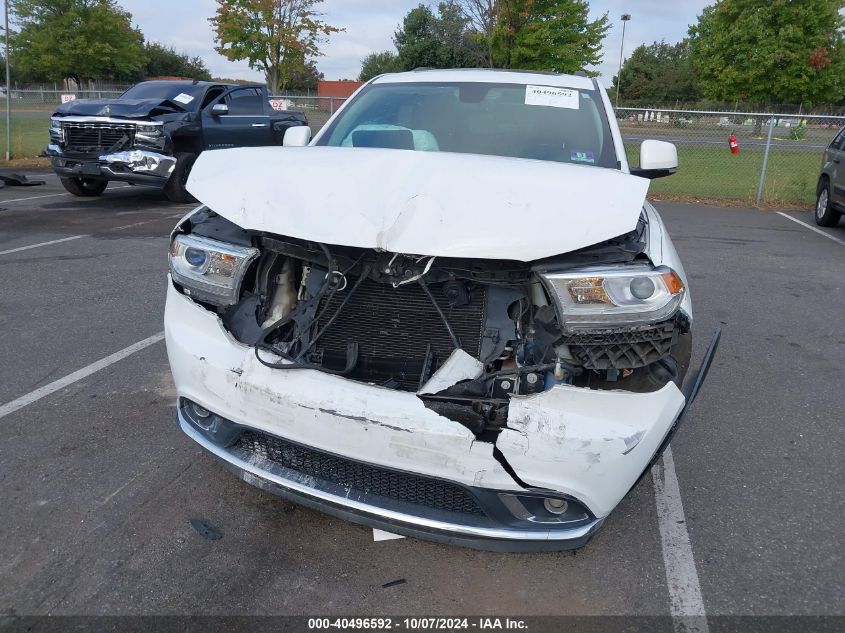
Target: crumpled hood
x,y
132,108
423,203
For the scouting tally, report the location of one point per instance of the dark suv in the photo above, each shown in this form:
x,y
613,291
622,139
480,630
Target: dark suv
x,y
830,192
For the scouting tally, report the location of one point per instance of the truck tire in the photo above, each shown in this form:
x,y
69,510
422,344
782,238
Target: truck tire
x,y
85,187
175,187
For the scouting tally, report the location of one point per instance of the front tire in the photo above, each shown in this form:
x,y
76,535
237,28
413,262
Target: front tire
x,y
825,214
175,188
85,187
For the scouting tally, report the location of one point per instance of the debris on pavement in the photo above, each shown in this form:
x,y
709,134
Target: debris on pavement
x,y
205,530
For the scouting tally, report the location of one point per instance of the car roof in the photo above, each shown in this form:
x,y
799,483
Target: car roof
x,y
486,75
191,82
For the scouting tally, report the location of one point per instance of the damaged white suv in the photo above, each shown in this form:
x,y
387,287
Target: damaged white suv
x,y
452,315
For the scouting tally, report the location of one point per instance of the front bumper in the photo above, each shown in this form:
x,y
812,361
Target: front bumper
x,y
136,166
580,444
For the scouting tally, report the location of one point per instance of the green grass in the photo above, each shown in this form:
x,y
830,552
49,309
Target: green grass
x,y
30,134
713,172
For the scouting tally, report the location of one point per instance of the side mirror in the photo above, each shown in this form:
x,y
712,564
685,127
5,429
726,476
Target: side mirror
x,y
298,136
219,108
657,159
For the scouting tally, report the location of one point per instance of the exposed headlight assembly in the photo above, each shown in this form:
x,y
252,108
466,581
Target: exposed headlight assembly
x,y
615,296
209,270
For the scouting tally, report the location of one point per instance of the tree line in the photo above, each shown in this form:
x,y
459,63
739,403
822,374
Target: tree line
x,y
55,40
755,52
545,35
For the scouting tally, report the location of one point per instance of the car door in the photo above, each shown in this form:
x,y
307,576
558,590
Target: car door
x,y
834,166
243,122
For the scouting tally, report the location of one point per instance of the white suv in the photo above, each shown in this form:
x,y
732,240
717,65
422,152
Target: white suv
x,y
451,315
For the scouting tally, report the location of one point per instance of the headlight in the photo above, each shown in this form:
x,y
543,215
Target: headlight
x,y
56,131
149,135
621,295
209,270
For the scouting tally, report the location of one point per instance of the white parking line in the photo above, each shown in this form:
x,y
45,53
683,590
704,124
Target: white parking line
x,y
40,244
61,383
51,195
812,228
55,195
76,237
685,601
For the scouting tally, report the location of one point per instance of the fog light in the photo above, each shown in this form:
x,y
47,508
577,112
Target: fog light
x,y
555,506
199,411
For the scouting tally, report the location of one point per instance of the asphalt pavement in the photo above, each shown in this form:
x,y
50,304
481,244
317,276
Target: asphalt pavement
x,y
99,486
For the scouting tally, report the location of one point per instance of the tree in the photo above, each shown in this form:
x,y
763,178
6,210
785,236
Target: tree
x,y
551,35
481,15
80,39
437,41
376,64
657,74
274,36
164,61
770,51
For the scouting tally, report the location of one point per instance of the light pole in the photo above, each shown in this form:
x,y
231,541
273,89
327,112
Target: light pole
x,y
8,90
625,18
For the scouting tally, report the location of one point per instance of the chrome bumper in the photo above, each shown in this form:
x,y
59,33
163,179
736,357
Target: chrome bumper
x,y
135,165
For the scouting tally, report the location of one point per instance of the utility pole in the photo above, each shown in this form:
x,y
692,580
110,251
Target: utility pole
x,y
8,90
625,18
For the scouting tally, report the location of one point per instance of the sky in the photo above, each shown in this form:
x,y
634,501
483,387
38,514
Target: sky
x,y
370,24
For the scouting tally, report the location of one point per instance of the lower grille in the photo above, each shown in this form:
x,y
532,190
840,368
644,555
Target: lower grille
x,y
98,137
393,328
360,477
622,349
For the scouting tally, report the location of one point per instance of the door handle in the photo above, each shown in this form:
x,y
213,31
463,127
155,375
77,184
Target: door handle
x,y
836,160
259,125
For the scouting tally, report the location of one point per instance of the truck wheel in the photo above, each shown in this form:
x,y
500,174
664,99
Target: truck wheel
x,y
85,187
175,187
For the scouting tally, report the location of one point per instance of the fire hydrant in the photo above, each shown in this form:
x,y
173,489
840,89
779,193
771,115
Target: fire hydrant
x,y
733,143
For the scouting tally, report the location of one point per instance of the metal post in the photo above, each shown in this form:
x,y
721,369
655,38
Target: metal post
x,y
765,159
8,90
331,106
625,18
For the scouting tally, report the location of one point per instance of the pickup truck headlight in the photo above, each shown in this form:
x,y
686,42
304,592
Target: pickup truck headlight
x,y
209,270
151,135
57,133
615,296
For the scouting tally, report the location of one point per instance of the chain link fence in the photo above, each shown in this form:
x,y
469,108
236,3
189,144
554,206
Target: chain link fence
x,y
777,163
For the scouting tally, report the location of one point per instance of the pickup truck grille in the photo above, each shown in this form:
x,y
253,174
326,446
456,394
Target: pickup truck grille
x,y
98,137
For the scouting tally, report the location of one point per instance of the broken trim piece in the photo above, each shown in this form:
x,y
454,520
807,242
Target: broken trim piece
x,y
458,367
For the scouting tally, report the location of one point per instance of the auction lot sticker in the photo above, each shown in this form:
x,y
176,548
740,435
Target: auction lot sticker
x,y
552,97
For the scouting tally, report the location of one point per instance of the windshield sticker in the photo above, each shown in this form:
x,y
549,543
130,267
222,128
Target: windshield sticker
x,y
552,97
581,157
183,98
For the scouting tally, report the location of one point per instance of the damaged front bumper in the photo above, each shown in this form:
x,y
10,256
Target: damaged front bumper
x,y
136,166
380,457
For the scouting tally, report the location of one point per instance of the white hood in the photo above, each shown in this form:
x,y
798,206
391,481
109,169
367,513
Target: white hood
x,y
422,203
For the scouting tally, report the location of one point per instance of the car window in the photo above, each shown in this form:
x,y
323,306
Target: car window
x,y
543,123
245,101
838,140
212,94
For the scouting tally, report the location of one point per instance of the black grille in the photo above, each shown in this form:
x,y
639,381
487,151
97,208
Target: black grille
x,y
622,349
393,327
98,137
362,478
